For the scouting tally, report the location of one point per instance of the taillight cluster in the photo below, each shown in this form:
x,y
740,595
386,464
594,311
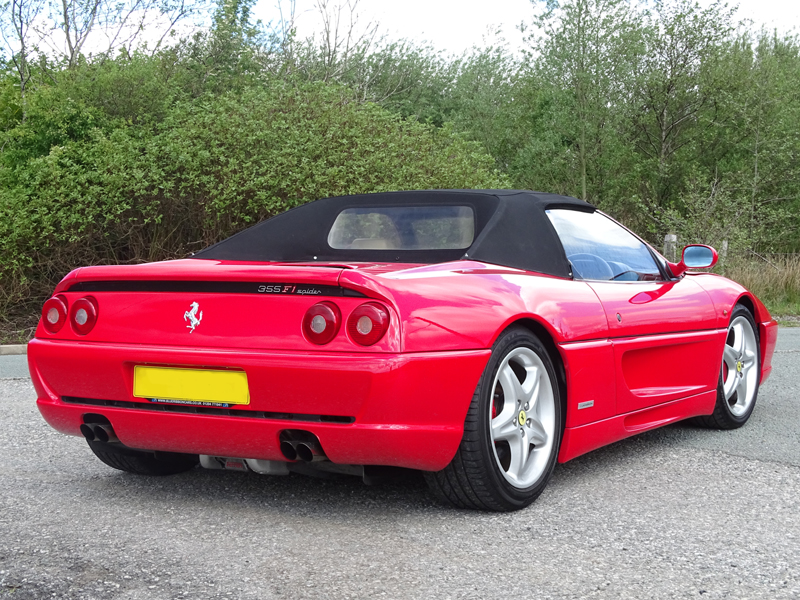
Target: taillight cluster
x,y
54,314
321,323
82,314
366,325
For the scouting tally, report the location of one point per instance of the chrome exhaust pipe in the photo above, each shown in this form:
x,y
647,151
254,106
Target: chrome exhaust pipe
x,y
105,434
98,433
310,452
298,444
288,451
87,432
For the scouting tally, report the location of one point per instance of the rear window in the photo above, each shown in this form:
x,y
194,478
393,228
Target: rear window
x,y
403,228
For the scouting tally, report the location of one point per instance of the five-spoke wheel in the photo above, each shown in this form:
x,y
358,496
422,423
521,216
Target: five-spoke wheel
x,y
514,425
739,376
740,366
512,431
523,417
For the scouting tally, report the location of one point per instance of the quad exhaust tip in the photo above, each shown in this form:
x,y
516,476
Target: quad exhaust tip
x,y
295,444
94,432
310,452
301,445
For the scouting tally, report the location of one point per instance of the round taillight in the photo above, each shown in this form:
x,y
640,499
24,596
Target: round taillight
x,y
321,322
368,323
83,315
54,314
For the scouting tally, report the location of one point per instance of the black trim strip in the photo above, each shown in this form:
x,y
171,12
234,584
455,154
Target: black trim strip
x,y
216,287
205,410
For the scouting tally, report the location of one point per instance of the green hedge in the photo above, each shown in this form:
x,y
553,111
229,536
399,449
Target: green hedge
x,y
79,187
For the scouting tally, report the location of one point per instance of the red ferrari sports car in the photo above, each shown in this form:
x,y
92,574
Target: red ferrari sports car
x,y
479,336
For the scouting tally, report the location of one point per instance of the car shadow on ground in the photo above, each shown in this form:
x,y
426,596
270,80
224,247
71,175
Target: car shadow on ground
x,y
305,495
295,493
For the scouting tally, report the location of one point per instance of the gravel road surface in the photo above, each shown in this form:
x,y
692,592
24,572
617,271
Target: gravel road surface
x,y
675,513
14,366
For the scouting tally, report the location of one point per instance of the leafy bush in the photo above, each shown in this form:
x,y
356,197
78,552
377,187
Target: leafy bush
x,y
86,188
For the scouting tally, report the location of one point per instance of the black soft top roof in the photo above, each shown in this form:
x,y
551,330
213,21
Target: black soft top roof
x,y
511,229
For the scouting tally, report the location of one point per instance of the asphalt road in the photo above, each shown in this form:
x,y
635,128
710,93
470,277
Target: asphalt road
x,y
14,366
676,513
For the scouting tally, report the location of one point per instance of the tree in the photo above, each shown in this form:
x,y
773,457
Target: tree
x,y
55,32
734,177
20,38
584,50
120,23
771,112
108,190
677,92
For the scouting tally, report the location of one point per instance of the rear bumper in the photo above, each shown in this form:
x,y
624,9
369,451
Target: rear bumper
x,y
403,410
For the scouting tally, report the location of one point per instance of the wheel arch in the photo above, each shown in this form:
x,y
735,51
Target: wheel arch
x,y
547,339
756,307
765,334
746,301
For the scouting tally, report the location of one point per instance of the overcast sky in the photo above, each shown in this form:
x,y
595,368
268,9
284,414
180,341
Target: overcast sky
x,y
457,25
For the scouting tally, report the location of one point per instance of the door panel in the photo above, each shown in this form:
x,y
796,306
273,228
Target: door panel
x,y
666,345
654,369
648,308
664,335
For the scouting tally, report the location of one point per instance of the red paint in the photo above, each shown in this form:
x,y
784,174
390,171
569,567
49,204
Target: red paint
x,y
643,308
389,396
591,377
408,393
583,439
769,338
655,369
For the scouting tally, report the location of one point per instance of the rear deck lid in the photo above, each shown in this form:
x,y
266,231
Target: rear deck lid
x,y
209,304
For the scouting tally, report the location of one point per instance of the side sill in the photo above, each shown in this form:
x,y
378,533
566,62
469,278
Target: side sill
x,y
585,438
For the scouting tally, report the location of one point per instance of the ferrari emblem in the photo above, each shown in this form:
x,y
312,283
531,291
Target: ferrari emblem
x,y
191,316
522,417
739,367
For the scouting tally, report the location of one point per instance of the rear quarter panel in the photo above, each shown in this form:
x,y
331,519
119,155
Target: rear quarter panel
x,y
468,308
442,308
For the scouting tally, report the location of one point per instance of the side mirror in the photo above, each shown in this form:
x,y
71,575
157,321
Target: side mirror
x,y
695,256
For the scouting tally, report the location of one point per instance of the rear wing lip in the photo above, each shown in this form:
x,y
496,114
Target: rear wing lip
x,y
197,276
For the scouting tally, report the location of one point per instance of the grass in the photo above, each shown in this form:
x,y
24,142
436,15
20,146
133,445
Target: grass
x,y
776,283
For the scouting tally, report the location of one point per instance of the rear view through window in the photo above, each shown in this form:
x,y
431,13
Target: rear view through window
x,y
403,228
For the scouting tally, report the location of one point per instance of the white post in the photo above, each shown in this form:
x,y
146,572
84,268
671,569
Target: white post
x,y
671,247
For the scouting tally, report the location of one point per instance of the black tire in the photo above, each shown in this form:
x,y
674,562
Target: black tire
x,y
140,462
735,403
482,475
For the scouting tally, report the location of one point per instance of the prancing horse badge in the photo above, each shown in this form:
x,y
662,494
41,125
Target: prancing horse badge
x,y
191,316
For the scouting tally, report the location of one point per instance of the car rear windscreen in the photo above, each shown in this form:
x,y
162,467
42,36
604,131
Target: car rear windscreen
x,y
403,228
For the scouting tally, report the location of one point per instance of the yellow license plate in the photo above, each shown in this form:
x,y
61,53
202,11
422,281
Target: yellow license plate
x,y
159,384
